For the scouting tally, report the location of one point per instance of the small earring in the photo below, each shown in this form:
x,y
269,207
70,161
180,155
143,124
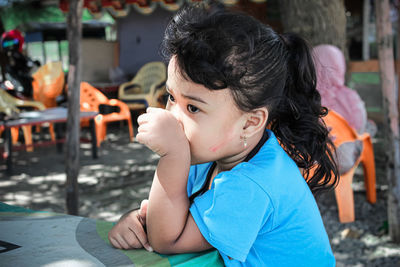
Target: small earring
x,y
244,141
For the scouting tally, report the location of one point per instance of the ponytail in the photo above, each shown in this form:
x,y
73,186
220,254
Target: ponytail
x,y
297,120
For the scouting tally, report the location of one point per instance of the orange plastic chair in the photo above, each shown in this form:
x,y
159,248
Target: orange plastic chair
x,y
91,99
342,132
48,83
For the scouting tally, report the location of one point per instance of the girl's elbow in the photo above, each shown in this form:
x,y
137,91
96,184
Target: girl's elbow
x,y
163,250
162,245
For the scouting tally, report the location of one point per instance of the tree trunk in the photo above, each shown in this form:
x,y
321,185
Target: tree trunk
x,y
73,128
389,91
320,22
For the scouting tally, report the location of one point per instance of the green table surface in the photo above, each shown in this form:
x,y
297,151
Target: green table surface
x,y
34,238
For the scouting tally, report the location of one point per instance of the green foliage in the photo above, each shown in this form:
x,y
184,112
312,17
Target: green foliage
x,y
16,15
19,14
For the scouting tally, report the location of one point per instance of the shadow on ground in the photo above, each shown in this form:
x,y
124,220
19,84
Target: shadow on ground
x,y
115,182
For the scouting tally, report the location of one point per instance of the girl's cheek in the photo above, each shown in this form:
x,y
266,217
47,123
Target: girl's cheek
x,y
223,143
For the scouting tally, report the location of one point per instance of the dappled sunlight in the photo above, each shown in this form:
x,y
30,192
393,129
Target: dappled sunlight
x,y
87,153
86,146
95,167
70,262
110,185
88,180
40,179
135,145
154,157
130,161
7,183
143,168
110,216
21,195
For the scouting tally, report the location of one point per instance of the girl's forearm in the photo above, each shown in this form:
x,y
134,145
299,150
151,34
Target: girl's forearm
x,y
168,207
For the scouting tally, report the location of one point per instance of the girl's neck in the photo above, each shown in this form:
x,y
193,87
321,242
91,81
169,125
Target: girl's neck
x,y
226,164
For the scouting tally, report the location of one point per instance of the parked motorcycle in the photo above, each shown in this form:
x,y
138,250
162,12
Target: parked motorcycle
x,y
18,80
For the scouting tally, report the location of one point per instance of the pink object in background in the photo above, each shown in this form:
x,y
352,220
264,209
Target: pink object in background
x,y
330,66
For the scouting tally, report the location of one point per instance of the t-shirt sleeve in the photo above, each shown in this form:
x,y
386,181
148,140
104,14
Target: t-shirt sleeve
x,y
231,214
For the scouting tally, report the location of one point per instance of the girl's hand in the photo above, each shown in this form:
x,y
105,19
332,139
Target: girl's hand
x,y
129,232
161,132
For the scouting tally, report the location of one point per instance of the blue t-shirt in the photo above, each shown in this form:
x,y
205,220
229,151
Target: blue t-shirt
x,y
261,213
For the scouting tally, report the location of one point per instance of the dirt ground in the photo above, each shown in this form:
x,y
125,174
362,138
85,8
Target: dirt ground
x,y
121,177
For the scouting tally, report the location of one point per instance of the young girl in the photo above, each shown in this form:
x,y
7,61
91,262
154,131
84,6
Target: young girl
x,y
224,180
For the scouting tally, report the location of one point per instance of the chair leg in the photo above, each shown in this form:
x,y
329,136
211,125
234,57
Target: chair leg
x,y
103,131
345,198
27,130
51,131
99,124
130,127
14,134
368,162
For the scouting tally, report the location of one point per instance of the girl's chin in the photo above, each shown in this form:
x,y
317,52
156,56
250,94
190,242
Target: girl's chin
x,y
196,161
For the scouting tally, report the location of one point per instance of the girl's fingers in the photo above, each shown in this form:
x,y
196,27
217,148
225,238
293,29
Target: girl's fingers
x,y
142,128
142,238
132,240
142,213
143,209
151,109
115,243
123,243
141,137
144,118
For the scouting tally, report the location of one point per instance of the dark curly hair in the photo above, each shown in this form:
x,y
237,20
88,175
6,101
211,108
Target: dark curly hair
x,y
222,49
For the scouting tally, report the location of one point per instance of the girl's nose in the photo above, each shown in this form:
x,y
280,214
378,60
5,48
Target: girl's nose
x,y
175,110
177,113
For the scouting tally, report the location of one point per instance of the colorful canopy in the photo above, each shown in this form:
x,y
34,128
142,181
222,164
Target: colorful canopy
x,y
121,8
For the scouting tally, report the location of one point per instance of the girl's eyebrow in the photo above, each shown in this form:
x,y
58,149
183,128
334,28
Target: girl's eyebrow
x,y
194,98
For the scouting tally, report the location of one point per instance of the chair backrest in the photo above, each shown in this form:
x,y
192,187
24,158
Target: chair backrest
x,y
91,98
151,73
48,83
10,104
339,128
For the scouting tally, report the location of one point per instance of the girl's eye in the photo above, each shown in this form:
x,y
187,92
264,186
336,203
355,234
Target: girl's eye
x,y
171,98
192,109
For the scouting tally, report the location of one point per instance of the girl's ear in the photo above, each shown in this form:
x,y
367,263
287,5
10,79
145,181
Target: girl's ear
x,y
256,121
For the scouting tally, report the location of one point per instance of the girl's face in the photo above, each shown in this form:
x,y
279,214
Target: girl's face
x,y
211,121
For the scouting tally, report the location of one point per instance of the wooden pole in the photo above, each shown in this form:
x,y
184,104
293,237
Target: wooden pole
x,y
389,91
366,12
397,59
73,128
